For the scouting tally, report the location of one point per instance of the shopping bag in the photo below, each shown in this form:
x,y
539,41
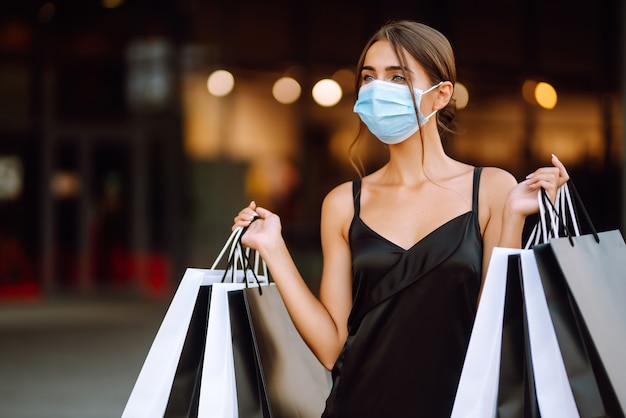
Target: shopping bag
x,y
184,393
252,397
516,385
593,267
276,374
594,273
477,391
553,389
218,394
151,393
296,383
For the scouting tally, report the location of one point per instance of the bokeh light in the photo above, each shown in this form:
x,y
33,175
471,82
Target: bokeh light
x,y
327,92
545,95
286,90
461,95
539,93
220,83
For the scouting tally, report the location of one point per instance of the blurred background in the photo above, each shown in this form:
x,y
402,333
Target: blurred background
x,y
132,132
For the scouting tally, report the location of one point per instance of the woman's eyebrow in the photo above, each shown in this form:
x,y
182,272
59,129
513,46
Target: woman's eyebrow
x,y
397,68
389,68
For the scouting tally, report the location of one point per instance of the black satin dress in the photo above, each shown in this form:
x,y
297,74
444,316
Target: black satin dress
x,y
411,320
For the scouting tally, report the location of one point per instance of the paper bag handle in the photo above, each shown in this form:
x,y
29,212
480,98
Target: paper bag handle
x,y
565,218
230,244
548,224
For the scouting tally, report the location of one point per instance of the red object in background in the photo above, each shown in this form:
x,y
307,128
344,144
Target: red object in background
x,y
157,273
149,272
152,270
17,280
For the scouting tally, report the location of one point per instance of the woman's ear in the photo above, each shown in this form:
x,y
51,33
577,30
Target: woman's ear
x,y
444,94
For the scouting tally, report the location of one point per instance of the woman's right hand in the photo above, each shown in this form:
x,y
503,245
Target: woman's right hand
x,y
522,199
264,227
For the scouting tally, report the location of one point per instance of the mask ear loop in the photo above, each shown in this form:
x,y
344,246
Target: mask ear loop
x,y
432,88
429,116
434,111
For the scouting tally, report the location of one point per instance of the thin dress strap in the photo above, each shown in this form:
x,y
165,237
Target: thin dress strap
x,y
356,195
477,171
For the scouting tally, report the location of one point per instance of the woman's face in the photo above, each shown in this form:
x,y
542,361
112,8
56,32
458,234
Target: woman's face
x,y
381,63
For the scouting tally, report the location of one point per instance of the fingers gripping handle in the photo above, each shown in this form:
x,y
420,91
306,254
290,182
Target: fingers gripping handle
x,y
561,218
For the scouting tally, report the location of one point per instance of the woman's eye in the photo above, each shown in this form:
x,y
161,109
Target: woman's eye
x,y
368,77
398,78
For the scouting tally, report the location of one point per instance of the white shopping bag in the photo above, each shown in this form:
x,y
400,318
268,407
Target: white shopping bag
x,y
218,392
151,391
554,393
477,392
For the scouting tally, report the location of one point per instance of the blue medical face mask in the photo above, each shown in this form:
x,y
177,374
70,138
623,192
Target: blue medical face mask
x,y
387,110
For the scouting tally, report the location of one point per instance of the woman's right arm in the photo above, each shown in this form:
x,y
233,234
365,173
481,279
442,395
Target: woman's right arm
x,y
322,322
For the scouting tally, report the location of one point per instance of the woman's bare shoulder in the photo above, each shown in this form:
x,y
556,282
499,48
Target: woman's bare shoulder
x,y
495,185
339,198
338,210
497,180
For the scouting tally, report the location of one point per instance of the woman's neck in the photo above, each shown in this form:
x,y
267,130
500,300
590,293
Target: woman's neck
x,y
410,163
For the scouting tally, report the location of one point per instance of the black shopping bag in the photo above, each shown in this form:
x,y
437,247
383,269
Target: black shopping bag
x,y
252,398
584,370
516,389
276,374
296,383
185,392
593,273
591,269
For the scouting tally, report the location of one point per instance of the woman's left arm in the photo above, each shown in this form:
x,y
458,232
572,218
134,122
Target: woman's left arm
x,y
506,204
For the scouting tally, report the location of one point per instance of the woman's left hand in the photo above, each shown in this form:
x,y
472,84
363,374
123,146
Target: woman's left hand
x,y
522,199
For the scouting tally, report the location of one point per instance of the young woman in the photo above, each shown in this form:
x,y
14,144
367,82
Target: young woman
x,y
406,247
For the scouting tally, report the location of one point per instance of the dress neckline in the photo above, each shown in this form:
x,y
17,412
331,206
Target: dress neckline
x,y
418,242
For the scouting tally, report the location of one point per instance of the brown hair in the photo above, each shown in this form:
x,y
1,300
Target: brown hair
x,y
428,47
